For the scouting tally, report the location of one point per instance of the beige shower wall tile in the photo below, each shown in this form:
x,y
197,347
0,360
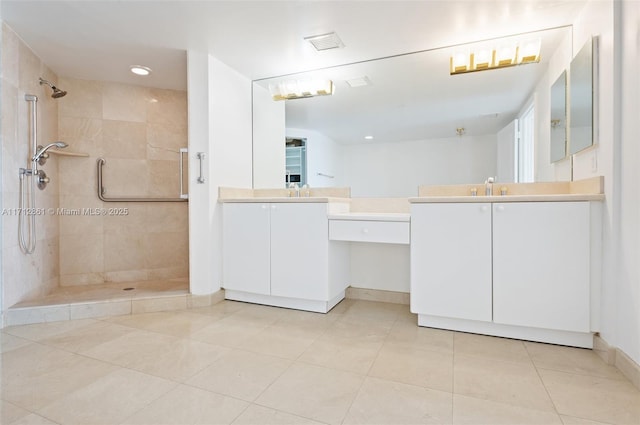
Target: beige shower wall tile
x,y
47,111
169,273
126,217
82,254
164,178
125,177
71,217
84,99
165,250
167,217
124,139
47,225
168,107
81,279
123,251
10,222
10,52
12,275
29,69
78,177
81,134
50,260
14,155
164,141
126,276
9,120
123,102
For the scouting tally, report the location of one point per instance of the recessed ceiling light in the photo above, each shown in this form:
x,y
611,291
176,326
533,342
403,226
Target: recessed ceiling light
x,y
368,137
140,70
325,41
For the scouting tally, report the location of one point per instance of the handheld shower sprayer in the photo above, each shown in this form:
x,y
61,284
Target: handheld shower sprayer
x,y
42,150
57,93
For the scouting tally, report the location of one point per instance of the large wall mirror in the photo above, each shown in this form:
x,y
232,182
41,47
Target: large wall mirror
x,y
558,108
582,104
395,123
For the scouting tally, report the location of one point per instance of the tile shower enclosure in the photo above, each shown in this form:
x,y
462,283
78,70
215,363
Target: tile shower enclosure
x,y
139,132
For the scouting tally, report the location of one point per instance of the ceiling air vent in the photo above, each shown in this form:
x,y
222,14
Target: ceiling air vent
x,y
359,81
325,41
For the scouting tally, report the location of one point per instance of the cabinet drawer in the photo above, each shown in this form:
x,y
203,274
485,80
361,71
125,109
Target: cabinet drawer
x,y
369,231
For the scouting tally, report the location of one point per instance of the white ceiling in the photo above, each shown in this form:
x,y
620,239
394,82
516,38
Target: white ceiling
x,y
99,40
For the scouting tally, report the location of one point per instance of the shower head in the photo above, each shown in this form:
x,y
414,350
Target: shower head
x,y
57,93
43,150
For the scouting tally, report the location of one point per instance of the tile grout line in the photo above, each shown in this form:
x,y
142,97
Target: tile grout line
x,y
555,407
366,375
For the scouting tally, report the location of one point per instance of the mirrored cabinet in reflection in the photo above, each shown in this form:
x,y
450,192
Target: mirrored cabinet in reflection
x,y
582,102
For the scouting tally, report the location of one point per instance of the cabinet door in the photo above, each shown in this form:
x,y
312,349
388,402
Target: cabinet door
x,y
299,251
245,238
451,260
541,265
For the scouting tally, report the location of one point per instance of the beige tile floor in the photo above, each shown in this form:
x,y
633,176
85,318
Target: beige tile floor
x,y
236,363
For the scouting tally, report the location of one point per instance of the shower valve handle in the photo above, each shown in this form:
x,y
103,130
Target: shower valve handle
x,y
43,180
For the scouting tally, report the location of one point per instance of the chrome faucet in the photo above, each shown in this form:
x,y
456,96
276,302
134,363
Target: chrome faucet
x,y
295,187
488,186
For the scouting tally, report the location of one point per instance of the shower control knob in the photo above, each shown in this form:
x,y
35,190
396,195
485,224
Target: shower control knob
x,y
42,180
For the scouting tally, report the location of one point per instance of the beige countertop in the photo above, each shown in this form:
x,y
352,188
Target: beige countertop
x,y
565,197
278,199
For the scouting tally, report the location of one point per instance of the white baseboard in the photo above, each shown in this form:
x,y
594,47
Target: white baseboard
x,y
378,295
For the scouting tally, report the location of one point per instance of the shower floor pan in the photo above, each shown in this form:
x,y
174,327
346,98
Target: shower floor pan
x,y
110,299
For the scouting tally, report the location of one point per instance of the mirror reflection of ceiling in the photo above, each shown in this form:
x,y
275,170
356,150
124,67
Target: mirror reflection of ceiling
x,y
413,97
99,40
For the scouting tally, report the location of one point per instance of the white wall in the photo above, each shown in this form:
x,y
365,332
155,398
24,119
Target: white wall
x,y
220,126
597,18
1,221
397,169
380,266
323,156
627,293
268,140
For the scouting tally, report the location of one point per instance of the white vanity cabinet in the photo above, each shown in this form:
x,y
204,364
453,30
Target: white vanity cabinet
x,y
246,238
451,260
514,269
279,254
541,265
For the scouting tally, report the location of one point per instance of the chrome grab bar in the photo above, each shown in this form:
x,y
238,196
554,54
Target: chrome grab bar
x,y
201,156
102,191
183,194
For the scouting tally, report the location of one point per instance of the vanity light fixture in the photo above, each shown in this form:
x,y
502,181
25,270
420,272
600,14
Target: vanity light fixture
x,y
499,55
300,89
368,137
140,70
